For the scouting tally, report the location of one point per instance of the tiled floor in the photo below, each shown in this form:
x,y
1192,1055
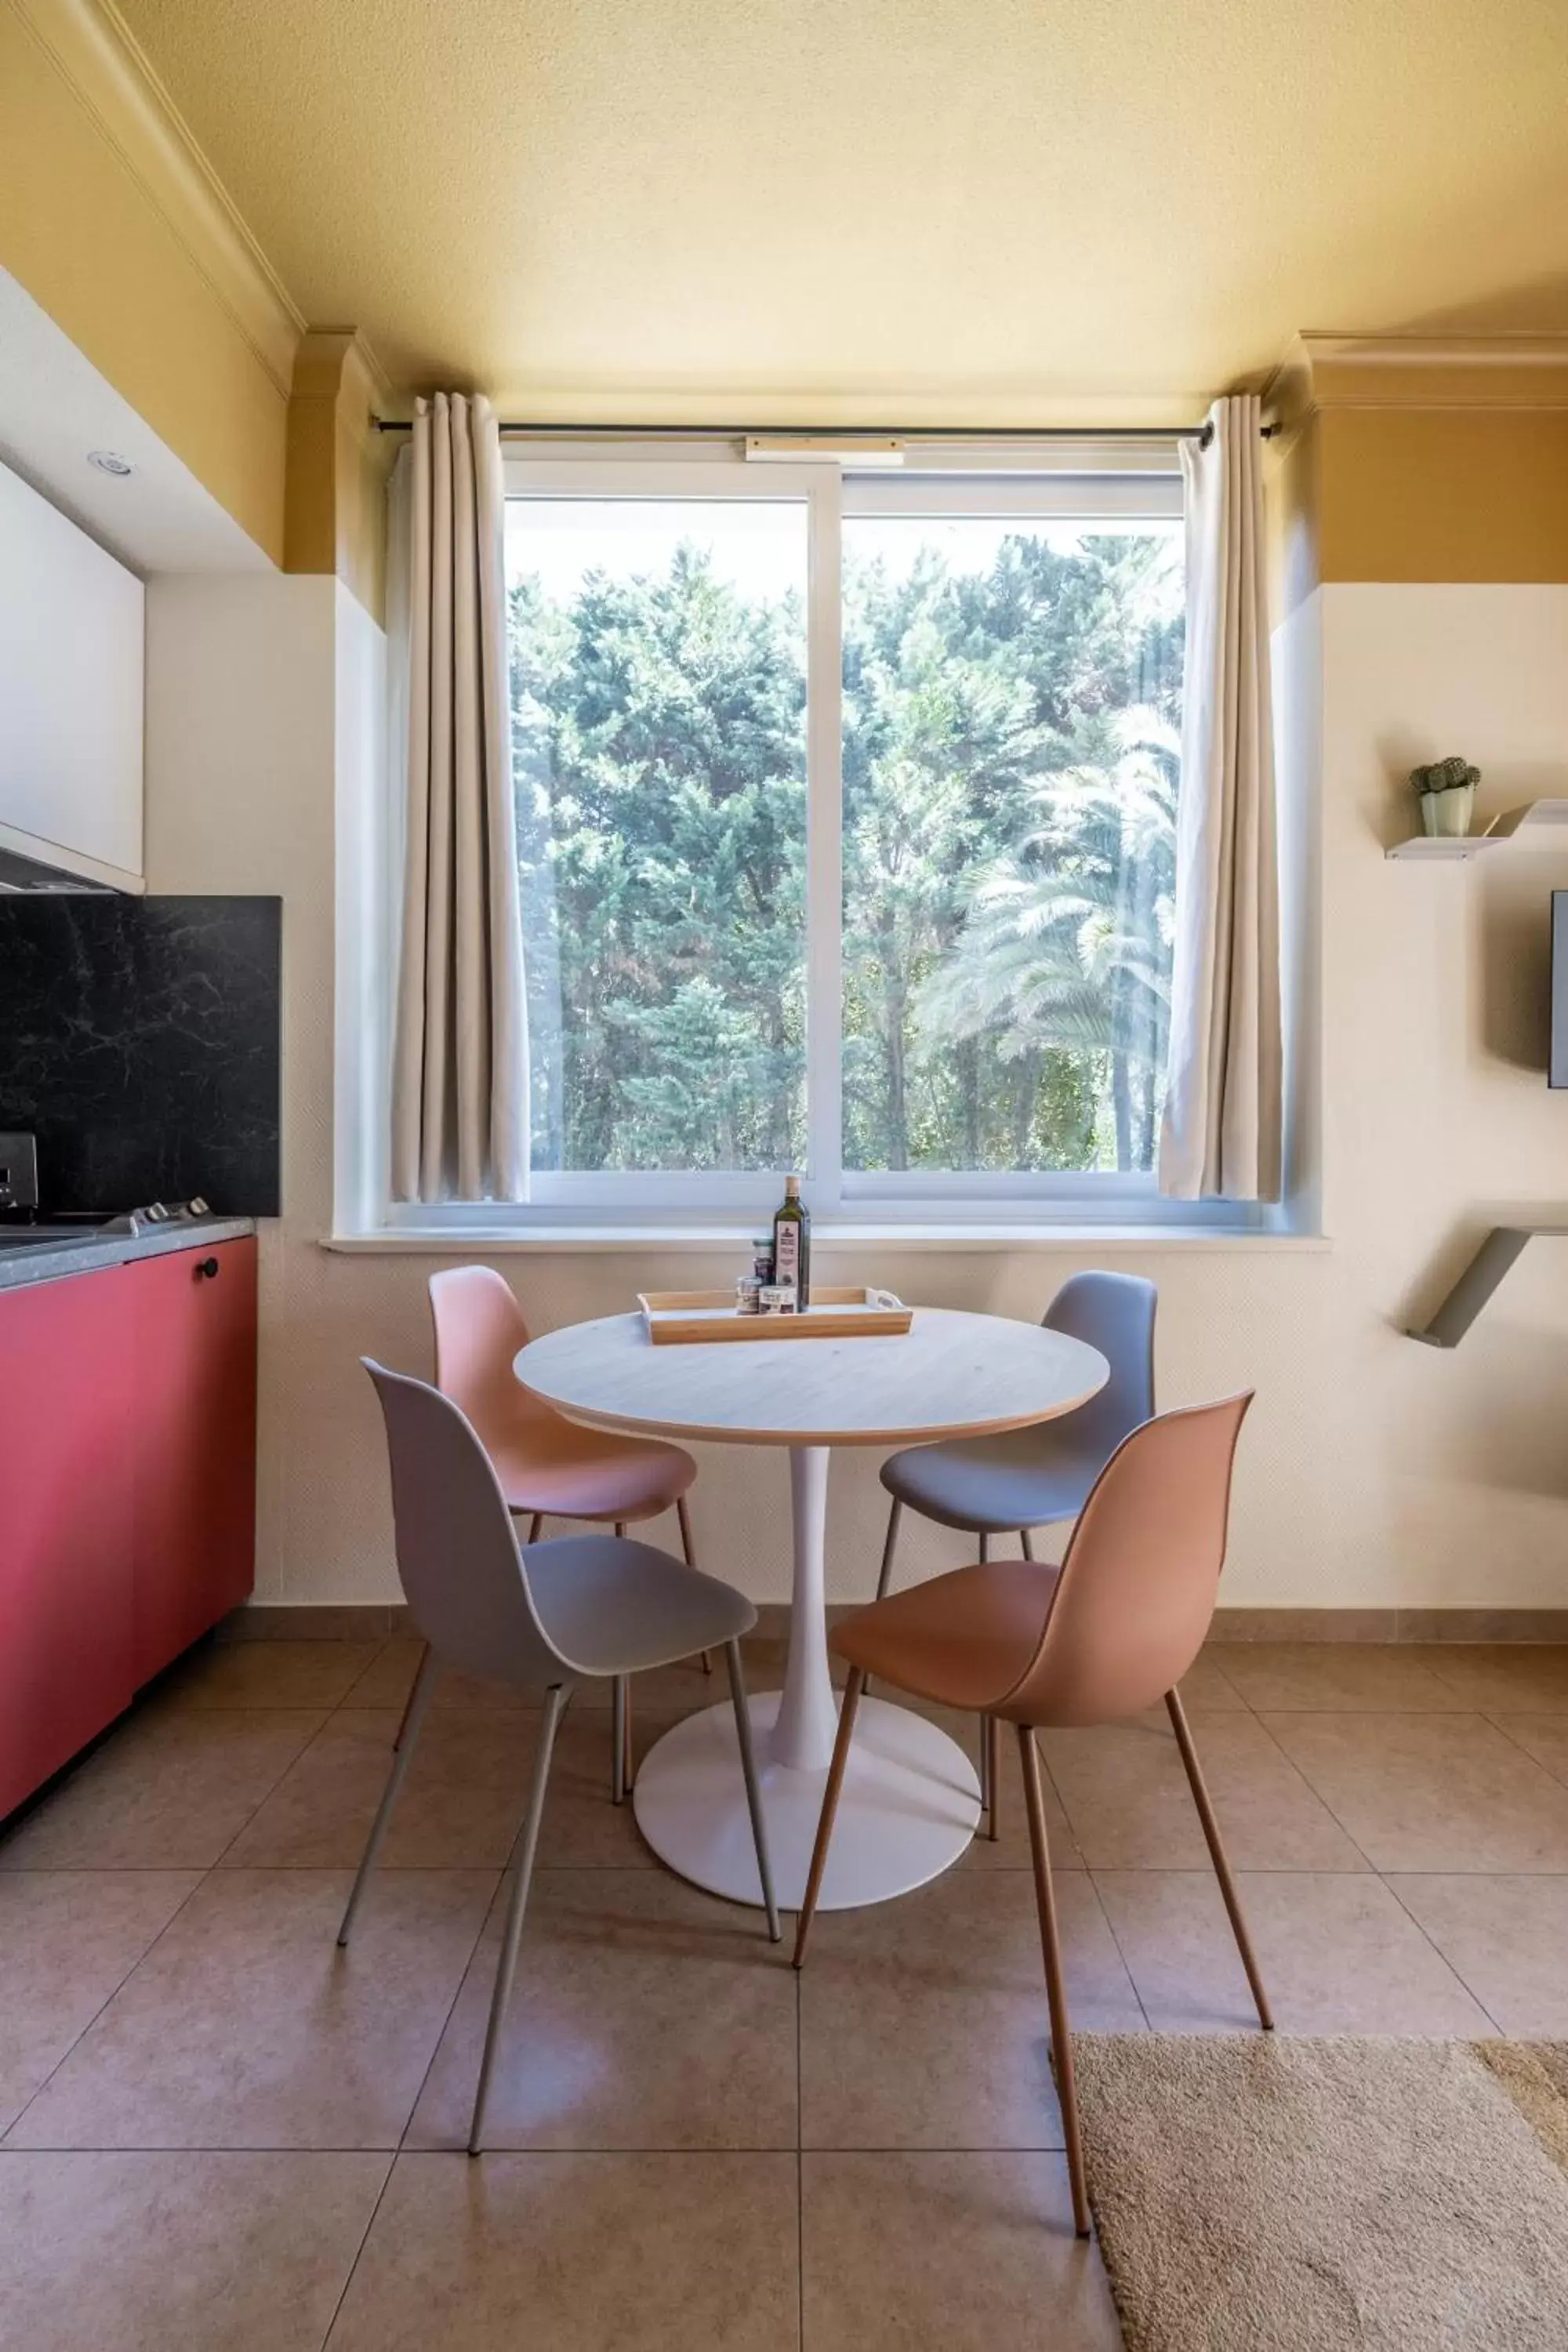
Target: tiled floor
x,y
221,2135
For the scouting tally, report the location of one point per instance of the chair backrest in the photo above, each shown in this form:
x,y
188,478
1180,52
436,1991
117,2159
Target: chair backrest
x,y
1115,1313
480,1328
457,1557
1136,1593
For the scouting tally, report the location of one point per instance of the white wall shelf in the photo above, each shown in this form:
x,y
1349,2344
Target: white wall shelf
x,y
1539,825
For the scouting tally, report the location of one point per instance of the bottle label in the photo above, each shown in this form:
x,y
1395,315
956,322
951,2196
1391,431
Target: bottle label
x,y
786,1251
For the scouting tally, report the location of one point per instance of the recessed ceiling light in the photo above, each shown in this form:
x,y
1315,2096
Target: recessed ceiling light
x,y
109,461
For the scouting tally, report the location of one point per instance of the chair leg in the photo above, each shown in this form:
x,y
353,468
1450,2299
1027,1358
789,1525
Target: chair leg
x,y
846,1713
1028,1542
534,1525
889,1548
1056,1989
619,1737
419,1699
684,1515
621,1732
408,1703
1217,1856
753,1795
993,1774
988,1742
506,1969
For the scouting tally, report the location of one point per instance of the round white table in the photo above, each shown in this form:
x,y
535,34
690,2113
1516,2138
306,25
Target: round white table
x,y
910,1799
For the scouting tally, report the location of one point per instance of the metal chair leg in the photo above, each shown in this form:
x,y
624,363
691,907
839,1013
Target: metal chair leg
x,y
846,1713
988,1742
993,1775
1024,1537
684,1515
419,1699
534,1525
619,1735
506,1969
889,1548
1217,1856
753,1794
621,1730
408,1702
1056,1989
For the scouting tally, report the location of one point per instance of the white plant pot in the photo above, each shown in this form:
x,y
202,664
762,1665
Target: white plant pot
x,y
1448,814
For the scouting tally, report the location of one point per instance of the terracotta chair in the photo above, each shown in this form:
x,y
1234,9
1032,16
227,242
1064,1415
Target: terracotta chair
x,y
1027,1478
549,1467
1101,1638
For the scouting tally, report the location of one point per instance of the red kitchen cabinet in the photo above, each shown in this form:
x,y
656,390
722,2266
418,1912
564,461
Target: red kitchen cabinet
x,y
195,1445
67,1353
127,1488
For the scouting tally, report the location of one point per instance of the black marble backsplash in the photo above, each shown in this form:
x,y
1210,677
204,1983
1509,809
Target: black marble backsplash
x,y
138,1041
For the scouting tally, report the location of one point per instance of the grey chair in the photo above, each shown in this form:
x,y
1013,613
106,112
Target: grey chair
x,y
1035,1477
550,1615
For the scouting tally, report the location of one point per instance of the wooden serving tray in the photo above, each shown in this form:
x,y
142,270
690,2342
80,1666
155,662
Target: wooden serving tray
x,y
683,1316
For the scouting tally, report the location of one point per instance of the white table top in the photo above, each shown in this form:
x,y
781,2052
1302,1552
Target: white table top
x,y
951,1375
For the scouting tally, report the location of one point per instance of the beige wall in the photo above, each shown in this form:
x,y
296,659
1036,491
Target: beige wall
x,y
1373,1472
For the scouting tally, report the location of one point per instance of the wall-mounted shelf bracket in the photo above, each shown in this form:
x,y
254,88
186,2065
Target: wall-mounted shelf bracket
x,y
1502,1246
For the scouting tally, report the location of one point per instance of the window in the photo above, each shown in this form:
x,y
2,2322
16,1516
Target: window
x,y
844,820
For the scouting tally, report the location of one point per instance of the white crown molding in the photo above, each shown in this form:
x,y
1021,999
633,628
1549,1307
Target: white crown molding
x,y
1323,370
96,55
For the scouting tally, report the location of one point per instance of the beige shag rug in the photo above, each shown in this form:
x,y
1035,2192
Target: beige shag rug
x,y
1263,2193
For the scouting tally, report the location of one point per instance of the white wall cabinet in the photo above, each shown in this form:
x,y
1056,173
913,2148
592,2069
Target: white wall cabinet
x,y
71,656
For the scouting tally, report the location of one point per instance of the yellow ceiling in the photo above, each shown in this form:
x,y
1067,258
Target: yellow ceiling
x,y
971,211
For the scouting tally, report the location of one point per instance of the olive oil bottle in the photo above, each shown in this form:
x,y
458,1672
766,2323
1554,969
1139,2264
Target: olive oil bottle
x,y
792,1243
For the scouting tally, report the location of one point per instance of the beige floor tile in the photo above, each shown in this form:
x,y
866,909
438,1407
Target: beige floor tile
x,y
247,2027
1338,1955
580,2254
1209,1682
1507,1937
1327,1676
167,1790
645,2015
1430,1791
163,2253
68,1939
923,2022
974,2253
1010,1849
1523,1677
462,1802
460,1808
1545,1737
673,1690
269,1673
1127,1798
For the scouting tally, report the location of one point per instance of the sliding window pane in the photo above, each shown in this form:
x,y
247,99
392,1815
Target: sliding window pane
x,y
1011,714
659,742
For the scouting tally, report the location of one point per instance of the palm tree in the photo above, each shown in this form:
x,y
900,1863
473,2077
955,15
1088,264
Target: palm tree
x,y
1066,939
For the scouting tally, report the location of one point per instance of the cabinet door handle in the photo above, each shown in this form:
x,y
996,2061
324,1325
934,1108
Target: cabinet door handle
x,y
207,1266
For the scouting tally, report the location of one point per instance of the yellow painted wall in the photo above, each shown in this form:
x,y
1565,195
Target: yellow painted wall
x,y
338,467
86,226
1464,494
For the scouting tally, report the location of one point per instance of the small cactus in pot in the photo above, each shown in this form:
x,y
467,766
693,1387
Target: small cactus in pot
x,y
1448,791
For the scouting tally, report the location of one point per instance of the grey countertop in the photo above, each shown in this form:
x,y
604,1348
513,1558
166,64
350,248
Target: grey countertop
x,y
89,1253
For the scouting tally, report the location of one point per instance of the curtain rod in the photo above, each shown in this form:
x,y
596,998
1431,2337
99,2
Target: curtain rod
x,y
1202,433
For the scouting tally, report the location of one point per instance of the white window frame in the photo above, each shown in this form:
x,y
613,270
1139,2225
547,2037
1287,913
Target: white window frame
x,y
1092,480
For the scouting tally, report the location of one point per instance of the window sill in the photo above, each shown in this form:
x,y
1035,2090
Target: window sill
x,y
593,1241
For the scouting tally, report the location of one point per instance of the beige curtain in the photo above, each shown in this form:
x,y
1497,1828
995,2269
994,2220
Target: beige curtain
x,y
1221,1135
459,1091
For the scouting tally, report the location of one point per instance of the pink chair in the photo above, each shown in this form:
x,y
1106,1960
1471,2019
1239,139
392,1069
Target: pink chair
x,y
549,1467
1110,1632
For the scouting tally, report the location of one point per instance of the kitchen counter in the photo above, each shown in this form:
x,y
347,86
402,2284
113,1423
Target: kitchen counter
x,y
88,1252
